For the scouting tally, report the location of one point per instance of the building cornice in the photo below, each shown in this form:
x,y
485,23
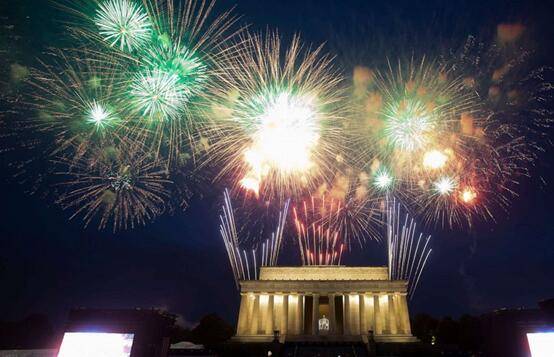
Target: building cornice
x,y
324,286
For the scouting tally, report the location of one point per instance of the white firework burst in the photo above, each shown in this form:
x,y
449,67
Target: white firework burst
x,y
123,23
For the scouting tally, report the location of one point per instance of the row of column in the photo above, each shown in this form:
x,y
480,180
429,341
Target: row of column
x,y
381,313
261,314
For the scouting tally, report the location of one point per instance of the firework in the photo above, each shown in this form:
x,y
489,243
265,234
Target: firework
x,y
407,252
167,54
497,144
436,135
444,185
383,179
451,137
412,139
422,104
281,113
74,101
172,73
245,263
123,24
318,241
348,207
158,95
118,187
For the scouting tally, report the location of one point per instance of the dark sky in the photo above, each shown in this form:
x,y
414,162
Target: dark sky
x,y
49,265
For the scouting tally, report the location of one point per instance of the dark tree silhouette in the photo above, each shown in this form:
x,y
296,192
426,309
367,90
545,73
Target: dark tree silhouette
x,y
212,331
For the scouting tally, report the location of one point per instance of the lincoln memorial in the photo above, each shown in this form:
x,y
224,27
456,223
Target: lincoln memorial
x,y
334,303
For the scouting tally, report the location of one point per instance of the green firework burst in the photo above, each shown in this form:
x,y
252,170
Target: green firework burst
x,y
158,95
124,24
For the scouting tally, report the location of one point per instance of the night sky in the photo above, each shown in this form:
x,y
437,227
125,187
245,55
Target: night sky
x,y
49,264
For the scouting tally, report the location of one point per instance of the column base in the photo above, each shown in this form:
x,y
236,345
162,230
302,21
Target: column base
x,y
395,338
253,338
339,338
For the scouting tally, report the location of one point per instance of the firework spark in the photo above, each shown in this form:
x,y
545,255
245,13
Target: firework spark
x,y
123,23
282,119
166,53
445,185
383,179
407,255
158,95
119,187
439,140
319,243
245,263
75,101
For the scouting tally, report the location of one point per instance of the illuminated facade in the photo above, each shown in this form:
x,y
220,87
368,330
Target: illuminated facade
x,y
333,303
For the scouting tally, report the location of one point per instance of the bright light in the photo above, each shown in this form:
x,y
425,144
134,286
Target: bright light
x,y
383,179
434,159
287,133
468,195
96,344
251,184
285,138
123,23
98,114
158,95
408,125
445,185
541,344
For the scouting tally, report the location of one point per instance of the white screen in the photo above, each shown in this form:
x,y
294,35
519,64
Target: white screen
x,y
96,344
541,344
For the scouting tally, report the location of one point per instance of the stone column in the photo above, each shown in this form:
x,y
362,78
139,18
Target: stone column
x,y
332,317
370,308
354,314
392,315
315,314
293,306
262,313
398,313
277,306
243,318
300,315
269,316
250,312
346,315
285,315
384,312
363,319
405,316
255,315
378,319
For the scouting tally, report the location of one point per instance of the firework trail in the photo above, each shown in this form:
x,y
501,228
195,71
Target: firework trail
x,y
318,242
407,252
245,263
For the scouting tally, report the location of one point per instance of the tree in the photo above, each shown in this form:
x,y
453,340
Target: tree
x,y
424,327
212,331
448,331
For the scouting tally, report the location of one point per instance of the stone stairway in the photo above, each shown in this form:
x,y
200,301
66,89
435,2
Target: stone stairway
x,y
325,349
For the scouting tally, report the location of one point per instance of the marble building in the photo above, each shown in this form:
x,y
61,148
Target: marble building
x,y
334,303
